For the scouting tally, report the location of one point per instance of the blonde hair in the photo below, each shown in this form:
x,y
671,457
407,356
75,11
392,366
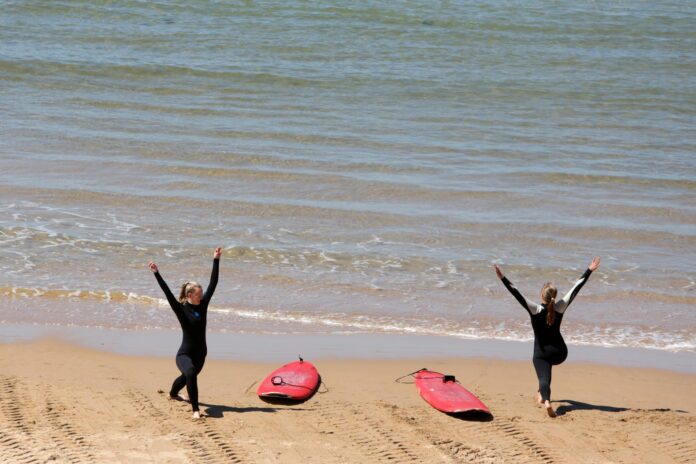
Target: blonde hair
x,y
548,297
187,289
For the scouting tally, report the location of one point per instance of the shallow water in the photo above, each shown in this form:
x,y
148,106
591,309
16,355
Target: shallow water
x,y
362,165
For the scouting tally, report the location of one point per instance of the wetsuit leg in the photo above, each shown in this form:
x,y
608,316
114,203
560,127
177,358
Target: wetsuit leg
x,y
179,383
554,354
543,372
190,368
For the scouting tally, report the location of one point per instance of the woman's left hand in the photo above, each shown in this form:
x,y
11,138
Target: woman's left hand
x,y
218,253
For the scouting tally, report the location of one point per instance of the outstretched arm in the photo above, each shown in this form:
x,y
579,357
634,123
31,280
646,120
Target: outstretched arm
x,y
214,276
163,285
573,292
530,306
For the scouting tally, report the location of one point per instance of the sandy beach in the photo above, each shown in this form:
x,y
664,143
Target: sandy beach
x,y
63,403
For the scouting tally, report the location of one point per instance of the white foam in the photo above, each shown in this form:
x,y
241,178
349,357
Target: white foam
x,y
680,340
606,337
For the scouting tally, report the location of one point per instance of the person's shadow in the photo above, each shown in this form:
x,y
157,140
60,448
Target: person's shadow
x,y
218,411
572,405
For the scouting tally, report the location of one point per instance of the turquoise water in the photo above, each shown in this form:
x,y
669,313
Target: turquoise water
x,y
363,165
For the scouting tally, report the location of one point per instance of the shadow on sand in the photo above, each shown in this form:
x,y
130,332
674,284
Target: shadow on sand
x,y
282,401
473,416
218,411
572,405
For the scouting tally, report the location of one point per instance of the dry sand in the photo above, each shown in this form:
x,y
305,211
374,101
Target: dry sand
x,y
64,403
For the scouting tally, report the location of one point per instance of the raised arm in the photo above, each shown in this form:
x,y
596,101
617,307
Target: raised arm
x,y
213,277
530,306
563,304
173,302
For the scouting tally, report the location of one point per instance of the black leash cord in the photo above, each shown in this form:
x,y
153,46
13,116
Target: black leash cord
x,y
441,376
408,375
249,387
283,382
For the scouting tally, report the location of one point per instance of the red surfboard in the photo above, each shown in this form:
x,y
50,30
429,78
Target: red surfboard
x,y
444,393
296,381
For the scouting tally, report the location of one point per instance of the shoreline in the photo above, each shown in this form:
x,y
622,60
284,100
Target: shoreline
x,y
244,347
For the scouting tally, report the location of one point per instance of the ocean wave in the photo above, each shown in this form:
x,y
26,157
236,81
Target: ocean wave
x,y
248,320
624,336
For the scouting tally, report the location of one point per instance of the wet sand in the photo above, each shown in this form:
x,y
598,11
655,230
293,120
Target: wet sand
x,y
63,403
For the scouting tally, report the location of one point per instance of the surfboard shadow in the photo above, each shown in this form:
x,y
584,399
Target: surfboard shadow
x,y
580,406
472,416
282,401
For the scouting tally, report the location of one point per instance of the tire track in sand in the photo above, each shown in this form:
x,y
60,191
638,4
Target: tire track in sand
x,y
203,441
40,432
64,433
499,440
676,438
379,440
17,441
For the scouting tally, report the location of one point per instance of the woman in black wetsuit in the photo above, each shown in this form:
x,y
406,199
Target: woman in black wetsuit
x,y
549,347
192,311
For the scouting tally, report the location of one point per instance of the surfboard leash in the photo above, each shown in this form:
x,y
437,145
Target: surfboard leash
x,y
326,387
444,377
400,379
278,380
249,387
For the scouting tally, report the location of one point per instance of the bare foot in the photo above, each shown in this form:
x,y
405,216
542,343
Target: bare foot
x,y
539,399
178,398
197,415
549,409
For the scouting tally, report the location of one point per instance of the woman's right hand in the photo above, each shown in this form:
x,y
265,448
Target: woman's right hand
x,y
594,264
498,272
153,267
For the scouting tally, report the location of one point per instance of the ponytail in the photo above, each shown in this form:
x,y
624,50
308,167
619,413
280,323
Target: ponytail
x,y
550,313
548,297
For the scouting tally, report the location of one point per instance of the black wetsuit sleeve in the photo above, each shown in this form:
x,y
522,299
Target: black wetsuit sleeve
x,y
573,292
526,304
173,302
213,281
